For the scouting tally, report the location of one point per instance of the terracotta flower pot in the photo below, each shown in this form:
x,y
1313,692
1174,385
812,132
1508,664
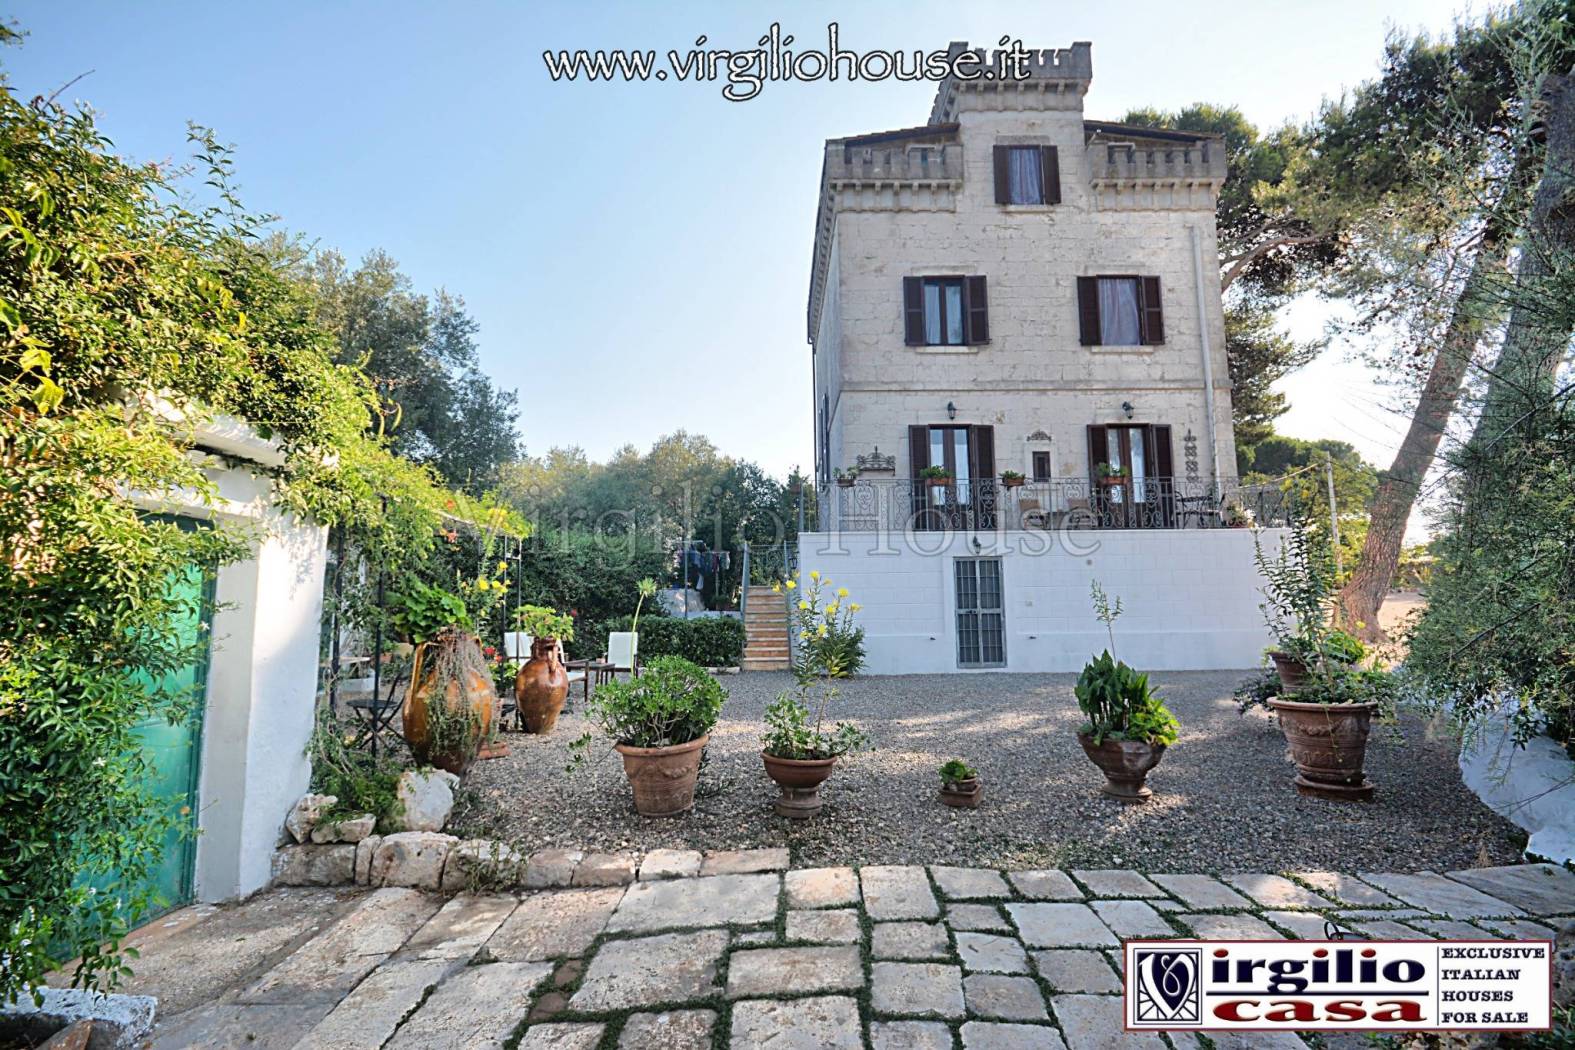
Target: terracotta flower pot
x,y
1293,673
800,780
846,483
963,794
468,694
1012,483
938,483
1328,743
540,687
663,778
1125,764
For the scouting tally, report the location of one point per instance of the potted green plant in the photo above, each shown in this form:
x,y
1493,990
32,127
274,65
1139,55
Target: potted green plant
x,y
960,785
450,706
543,681
846,478
1012,478
1108,475
1128,726
660,723
936,477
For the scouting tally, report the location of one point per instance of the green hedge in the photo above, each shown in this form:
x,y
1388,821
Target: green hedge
x,y
710,641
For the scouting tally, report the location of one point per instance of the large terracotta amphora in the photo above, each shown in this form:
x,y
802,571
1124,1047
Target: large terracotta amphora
x,y
541,686
450,704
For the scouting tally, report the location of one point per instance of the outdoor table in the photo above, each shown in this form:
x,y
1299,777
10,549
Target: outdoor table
x,y
596,672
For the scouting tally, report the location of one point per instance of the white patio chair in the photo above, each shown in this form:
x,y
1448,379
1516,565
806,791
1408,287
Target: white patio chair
x,y
516,646
623,650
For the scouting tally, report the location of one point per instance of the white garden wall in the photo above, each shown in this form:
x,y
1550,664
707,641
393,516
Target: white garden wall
x,y
1190,598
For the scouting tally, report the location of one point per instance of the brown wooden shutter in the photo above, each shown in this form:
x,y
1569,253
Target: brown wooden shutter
x,y
913,310
1153,311
1162,473
1098,451
1088,310
1003,185
976,310
918,449
981,444
1050,172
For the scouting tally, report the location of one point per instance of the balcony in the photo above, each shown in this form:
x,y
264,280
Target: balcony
x,y
990,505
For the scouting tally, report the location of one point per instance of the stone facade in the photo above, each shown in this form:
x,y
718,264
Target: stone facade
x,y
923,203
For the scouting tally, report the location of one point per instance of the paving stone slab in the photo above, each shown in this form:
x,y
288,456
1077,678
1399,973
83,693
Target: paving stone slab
x,y
732,900
368,1015
1388,930
651,971
828,1022
562,1036
897,892
908,989
234,1026
1434,893
1538,889
1347,889
1132,919
988,953
1164,904
605,869
825,926
668,1030
1202,892
326,967
1373,914
753,938
461,926
745,861
993,1035
758,972
1451,929
1077,971
670,864
821,887
479,1006
1230,927
551,868
909,940
1003,998
909,1035
1276,891
1045,885
1257,1041
1116,882
1094,1022
969,883
1060,925
554,924
1303,925
982,917
1521,929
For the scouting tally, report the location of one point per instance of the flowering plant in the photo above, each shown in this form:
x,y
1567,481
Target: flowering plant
x,y
538,621
828,639
830,647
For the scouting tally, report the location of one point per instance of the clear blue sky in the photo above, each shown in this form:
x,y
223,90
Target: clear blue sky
x,y
637,254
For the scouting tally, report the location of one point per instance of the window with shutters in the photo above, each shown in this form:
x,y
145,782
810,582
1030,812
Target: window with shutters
x,y
981,613
1041,466
1120,310
1027,174
945,311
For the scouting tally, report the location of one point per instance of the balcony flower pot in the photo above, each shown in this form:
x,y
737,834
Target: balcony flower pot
x,y
846,483
1292,671
799,780
963,794
541,686
1125,764
1328,743
1012,483
450,704
663,778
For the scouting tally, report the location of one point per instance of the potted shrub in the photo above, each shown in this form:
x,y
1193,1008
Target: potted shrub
x,y
846,478
1128,726
1110,476
936,477
660,723
543,682
1012,479
960,785
450,705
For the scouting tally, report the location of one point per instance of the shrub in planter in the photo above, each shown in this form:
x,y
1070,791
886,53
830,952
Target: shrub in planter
x,y
960,785
659,722
799,749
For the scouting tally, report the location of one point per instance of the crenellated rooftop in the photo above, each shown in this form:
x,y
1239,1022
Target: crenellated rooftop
x,y
1051,71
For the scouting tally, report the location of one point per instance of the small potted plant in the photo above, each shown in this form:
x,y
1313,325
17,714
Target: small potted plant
x,y
1128,726
660,723
960,785
543,681
936,477
846,478
1012,479
1110,476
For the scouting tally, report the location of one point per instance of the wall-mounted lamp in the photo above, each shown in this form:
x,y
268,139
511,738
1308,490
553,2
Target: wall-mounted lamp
x,y
951,410
1126,406
977,546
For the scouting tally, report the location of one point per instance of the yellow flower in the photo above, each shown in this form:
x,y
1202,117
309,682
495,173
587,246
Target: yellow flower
x,y
814,574
802,604
791,585
854,607
824,630
803,636
776,588
842,592
831,610
503,566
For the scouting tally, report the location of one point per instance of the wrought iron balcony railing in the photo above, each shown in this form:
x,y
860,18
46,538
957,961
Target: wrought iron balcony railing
x,y
989,504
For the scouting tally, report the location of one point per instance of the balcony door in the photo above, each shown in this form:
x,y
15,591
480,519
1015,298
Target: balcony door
x,y
1130,483
967,453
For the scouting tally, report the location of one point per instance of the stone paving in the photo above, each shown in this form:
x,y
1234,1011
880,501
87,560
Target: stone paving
x,y
887,957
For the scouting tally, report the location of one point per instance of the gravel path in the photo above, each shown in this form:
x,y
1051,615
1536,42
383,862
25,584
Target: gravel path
x,y
1223,798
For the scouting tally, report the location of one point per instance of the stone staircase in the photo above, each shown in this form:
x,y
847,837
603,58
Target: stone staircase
x,y
766,631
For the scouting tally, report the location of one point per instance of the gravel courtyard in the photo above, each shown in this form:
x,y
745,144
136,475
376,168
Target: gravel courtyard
x,y
1223,798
